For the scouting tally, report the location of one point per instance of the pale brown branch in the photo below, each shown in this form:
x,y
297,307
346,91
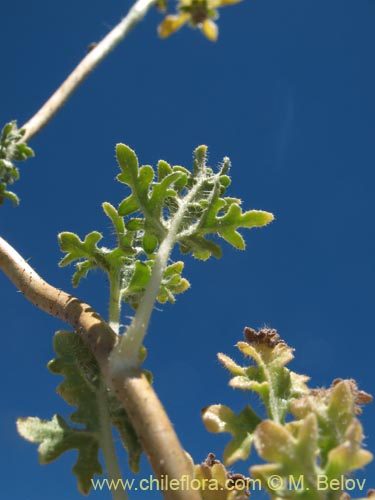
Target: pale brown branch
x,y
85,67
154,430
147,414
95,332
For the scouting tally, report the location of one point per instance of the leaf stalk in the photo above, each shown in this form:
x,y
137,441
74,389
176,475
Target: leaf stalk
x,y
107,445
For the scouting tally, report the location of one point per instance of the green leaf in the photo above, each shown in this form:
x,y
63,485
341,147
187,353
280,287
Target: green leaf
x,y
120,420
335,409
274,442
341,406
82,268
81,377
90,256
175,268
55,438
83,388
23,152
144,179
8,194
226,225
163,189
164,169
116,219
200,247
172,283
325,439
86,252
233,238
79,388
150,243
135,224
11,150
348,456
77,249
140,278
128,162
128,206
140,182
275,384
188,207
200,156
220,418
256,218
231,365
209,213
292,450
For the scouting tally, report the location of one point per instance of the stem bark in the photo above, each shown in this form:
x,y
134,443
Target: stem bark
x,y
133,390
85,67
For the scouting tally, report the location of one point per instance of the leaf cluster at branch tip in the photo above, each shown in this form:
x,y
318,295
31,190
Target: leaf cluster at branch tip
x,y
322,439
143,218
11,150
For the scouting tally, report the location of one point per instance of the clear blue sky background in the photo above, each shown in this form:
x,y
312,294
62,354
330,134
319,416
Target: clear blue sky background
x,y
288,94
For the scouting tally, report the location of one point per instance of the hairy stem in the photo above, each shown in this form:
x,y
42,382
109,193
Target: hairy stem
x,y
85,67
107,445
114,304
106,435
133,390
126,354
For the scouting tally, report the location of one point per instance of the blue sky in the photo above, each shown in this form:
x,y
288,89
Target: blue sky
x,y
288,94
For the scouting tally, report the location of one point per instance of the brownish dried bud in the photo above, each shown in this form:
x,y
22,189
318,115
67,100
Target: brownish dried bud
x,y
236,482
240,483
211,460
363,397
360,397
266,336
336,381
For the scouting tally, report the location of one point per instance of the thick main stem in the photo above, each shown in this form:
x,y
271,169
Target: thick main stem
x,y
133,390
155,433
84,68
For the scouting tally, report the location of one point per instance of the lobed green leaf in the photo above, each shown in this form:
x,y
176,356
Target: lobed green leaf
x,y
172,283
55,437
83,388
143,219
220,418
276,385
292,452
324,440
